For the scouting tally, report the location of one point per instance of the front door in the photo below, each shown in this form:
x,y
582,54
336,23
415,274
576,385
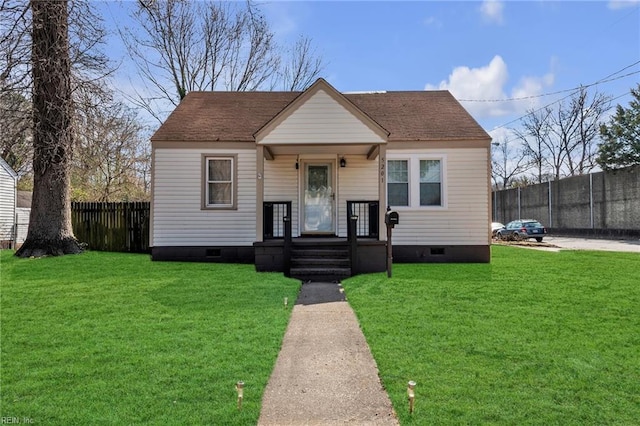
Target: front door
x,y
318,198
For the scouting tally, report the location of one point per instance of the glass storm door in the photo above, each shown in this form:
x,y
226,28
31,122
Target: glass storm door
x,y
318,199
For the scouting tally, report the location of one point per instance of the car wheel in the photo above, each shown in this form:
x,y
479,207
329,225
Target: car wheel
x,y
539,239
517,237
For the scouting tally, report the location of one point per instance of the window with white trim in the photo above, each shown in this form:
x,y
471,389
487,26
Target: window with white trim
x,y
415,180
398,182
430,183
219,185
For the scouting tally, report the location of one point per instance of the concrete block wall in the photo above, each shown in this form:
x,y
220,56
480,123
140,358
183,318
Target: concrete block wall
x,y
602,201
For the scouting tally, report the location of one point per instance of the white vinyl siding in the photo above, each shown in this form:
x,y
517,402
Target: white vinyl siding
x,y
22,224
7,202
179,219
281,184
464,217
358,181
321,120
178,216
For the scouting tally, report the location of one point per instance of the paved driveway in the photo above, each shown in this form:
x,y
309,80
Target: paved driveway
x,y
573,243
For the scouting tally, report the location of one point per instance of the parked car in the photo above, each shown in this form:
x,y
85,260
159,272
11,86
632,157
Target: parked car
x,y
495,227
522,230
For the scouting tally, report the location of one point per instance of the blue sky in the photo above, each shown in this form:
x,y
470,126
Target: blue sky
x,y
482,51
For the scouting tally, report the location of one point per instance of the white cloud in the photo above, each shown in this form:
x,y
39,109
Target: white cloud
x,y
481,89
491,11
486,82
622,4
501,134
432,22
531,86
282,18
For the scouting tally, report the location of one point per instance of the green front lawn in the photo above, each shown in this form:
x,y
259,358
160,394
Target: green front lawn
x,y
106,338
534,338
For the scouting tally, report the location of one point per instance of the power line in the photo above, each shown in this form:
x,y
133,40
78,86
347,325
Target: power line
x,y
606,79
602,80
548,105
511,139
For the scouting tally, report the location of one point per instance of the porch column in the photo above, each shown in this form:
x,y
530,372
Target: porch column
x,y
259,191
382,190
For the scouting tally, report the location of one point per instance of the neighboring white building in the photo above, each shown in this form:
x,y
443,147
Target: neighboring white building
x,y
228,167
23,211
8,185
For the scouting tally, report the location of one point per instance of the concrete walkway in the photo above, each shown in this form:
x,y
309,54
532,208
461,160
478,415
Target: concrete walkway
x,y
325,374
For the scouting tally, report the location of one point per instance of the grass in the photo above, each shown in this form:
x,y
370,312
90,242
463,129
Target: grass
x,y
534,338
106,338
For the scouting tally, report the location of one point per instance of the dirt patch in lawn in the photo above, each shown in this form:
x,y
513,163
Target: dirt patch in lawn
x,y
528,244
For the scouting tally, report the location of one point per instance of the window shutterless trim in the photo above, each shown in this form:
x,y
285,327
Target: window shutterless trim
x,y
407,183
413,161
204,184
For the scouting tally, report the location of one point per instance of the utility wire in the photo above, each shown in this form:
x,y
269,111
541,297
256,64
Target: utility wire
x,y
574,90
606,79
511,139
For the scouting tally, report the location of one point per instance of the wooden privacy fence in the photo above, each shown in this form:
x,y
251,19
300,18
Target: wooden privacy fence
x,y
119,227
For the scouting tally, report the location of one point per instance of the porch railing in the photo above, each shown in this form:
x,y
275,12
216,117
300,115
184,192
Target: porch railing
x,y
368,214
273,214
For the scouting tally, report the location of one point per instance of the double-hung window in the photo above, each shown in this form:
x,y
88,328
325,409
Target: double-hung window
x,y
220,181
415,180
430,183
398,182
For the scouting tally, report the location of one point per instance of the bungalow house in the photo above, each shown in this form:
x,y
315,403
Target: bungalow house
x,y
301,181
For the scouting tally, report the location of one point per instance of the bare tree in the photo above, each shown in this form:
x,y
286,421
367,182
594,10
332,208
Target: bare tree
x,y
89,69
14,45
180,46
563,140
89,65
562,125
590,112
16,146
92,98
301,66
50,231
15,108
110,162
507,162
534,139
574,131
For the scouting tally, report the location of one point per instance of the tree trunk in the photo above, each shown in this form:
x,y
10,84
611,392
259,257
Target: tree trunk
x,y
50,231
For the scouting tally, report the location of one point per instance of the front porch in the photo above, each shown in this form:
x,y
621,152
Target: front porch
x,y
323,256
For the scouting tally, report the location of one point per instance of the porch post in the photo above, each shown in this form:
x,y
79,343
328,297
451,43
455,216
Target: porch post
x,y
259,192
286,248
352,237
382,188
